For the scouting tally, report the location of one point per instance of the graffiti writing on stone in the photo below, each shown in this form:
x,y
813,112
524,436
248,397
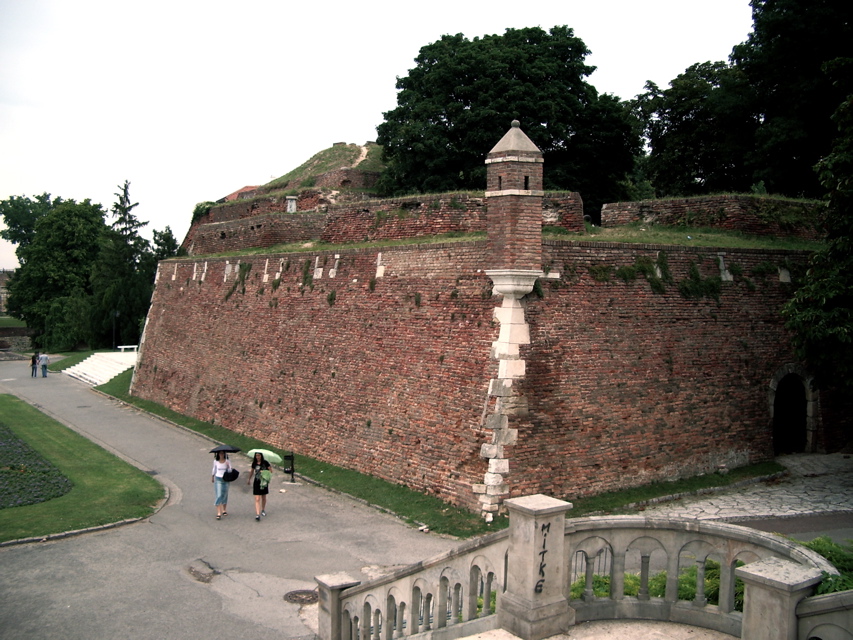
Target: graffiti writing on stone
x,y
540,584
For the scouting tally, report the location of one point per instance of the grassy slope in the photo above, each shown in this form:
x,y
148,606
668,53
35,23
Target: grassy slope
x,y
327,160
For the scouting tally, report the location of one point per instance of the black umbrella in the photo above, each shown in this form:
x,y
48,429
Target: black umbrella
x,y
227,448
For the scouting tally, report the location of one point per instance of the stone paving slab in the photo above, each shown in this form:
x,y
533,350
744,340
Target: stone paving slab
x,y
816,484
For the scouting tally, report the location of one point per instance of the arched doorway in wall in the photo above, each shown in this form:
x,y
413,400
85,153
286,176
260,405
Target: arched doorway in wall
x,y
789,416
794,411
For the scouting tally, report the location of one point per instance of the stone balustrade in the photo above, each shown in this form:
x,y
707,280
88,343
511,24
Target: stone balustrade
x,y
450,596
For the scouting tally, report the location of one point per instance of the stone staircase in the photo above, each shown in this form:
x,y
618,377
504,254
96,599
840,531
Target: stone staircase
x,y
102,367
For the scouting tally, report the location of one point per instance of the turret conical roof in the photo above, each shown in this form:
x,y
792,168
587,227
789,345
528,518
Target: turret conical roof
x,y
515,140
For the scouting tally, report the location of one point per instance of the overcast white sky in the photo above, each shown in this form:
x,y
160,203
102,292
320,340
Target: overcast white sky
x,y
190,100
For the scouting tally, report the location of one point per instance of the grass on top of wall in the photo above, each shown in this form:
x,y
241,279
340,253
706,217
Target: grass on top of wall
x,y
645,233
303,247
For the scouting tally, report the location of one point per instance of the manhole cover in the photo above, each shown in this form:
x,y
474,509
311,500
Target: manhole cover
x,y
303,596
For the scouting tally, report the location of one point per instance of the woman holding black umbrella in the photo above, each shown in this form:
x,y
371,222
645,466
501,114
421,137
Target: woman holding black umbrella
x,y
221,464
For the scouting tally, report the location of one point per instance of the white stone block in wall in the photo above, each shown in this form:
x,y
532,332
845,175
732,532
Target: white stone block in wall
x,y
502,350
488,450
500,388
498,465
514,334
496,421
492,479
511,315
497,490
492,506
478,488
511,369
512,405
506,436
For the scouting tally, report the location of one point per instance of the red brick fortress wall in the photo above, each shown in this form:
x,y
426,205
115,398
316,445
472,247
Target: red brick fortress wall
x,y
263,222
410,217
259,231
759,215
380,361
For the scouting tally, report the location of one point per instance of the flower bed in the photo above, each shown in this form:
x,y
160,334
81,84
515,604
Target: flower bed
x,y
26,477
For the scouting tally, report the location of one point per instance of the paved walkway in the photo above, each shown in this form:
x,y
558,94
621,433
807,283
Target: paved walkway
x,y
816,498
183,574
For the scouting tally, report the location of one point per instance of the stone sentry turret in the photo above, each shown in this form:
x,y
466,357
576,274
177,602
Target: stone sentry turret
x,y
514,196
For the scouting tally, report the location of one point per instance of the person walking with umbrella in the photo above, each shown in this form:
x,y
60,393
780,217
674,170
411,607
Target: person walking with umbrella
x,y
261,487
221,465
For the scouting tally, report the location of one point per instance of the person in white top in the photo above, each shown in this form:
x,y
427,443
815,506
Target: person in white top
x,y
221,464
43,362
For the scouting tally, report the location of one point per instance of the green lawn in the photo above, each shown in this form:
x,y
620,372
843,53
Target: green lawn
x,y
105,489
9,321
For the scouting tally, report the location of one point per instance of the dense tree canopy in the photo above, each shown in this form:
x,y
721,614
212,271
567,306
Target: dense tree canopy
x,y
699,131
121,283
783,60
57,261
20,214
82,282
821,312
462,95
761,121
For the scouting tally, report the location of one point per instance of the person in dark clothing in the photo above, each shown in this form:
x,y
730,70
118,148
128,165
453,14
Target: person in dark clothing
x,y
261,474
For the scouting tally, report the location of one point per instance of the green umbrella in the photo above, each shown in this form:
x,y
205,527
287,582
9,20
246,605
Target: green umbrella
x,y
269,456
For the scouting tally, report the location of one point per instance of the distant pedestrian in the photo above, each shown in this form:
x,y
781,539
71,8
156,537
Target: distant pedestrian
x,y
221,464
34,364
44,361
261,487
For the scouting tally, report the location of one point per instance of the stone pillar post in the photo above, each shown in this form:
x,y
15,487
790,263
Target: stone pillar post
x,y
329,614
772,589
291,204
534,605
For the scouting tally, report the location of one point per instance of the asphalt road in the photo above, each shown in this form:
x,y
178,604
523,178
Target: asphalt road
x,y
181,573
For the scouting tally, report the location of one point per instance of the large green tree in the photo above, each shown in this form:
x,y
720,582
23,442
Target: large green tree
x,y
122,279
821,311
20,215
462,95
783,60
56,263
764,119
699,131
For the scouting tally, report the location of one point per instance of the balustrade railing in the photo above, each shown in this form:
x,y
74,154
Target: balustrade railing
x,y
621,567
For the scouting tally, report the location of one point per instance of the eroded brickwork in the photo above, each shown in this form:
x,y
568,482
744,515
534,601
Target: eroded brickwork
x,y
758,215
627,382
262,222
